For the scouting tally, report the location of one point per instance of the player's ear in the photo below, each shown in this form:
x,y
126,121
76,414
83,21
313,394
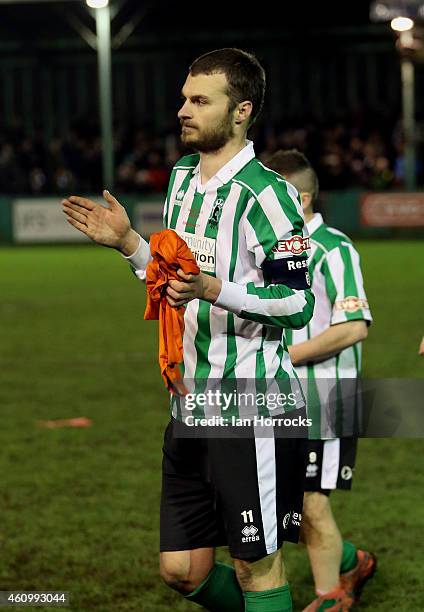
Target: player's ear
x,y
243,111
306,199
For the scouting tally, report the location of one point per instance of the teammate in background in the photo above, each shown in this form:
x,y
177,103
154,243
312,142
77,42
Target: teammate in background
x,y
246,493
421,348
328,347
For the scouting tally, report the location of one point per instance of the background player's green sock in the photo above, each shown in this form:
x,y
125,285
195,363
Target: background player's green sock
x,y
275,600
220,591
349,557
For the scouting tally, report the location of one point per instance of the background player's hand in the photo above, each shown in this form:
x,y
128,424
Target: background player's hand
x,y
108,226
421,349
192,286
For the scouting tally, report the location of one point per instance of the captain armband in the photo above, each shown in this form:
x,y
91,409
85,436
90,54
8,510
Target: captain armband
x,y
290,271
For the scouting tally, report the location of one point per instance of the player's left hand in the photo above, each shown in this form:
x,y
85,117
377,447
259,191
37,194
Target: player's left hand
x,y
192,286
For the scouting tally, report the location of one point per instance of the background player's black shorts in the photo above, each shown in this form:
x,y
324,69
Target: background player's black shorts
x,y
330,464
242,492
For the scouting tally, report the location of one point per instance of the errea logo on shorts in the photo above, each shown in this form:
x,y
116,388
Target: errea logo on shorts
x,y
351,304
296,245
311,470
249,532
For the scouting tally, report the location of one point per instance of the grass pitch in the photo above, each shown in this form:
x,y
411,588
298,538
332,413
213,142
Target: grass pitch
x,y
79,507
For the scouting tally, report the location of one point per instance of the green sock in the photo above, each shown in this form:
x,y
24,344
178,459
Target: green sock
x,y
275,600
349,557
220,591
327,603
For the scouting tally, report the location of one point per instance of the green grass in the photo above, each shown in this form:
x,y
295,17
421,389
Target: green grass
x,y
79,508
394,280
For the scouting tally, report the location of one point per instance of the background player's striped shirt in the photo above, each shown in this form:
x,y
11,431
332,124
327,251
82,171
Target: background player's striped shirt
x,y
245,215
337,283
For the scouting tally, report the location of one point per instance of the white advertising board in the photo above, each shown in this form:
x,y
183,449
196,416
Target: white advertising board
x,y
42,220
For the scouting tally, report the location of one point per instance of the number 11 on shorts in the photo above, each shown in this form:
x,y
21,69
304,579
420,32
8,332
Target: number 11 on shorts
x,y
247,516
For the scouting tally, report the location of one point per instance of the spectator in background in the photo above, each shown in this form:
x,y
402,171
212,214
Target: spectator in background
x,y
12,178
143,168
361,151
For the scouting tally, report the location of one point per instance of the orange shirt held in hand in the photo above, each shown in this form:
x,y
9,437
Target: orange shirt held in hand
x,y
169,253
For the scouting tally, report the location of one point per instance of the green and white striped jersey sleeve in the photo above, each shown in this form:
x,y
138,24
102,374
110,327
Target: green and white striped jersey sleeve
x,y
344,285
139,259
274,229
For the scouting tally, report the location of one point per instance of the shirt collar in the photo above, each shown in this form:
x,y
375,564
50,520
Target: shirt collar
x,y
314,223
231,168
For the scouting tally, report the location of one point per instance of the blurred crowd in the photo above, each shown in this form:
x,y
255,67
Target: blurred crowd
x,y
346,154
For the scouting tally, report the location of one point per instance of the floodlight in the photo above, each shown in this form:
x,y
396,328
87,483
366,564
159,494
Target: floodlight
x,y
97,3
402,24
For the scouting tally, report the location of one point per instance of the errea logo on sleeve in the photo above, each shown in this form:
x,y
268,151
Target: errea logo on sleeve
x,y
296,245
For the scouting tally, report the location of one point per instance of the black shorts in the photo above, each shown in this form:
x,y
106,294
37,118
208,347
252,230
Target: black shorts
x,y
330,464
245,493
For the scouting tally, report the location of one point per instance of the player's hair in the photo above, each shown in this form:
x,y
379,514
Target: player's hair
x,y
293,165
245,76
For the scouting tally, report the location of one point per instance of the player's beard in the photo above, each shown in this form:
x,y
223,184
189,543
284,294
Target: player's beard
x,y
210,139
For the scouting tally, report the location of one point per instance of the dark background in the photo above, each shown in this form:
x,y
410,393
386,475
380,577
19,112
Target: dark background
x,y
333,90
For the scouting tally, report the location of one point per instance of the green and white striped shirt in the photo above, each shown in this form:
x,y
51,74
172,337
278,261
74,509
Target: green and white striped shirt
x,y
244,215
336,280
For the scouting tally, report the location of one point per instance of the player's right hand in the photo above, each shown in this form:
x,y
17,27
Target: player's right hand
x,y
109,226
